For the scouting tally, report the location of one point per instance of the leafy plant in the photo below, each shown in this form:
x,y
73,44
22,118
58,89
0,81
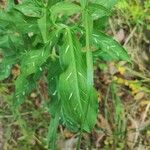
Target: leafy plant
x,y
43,38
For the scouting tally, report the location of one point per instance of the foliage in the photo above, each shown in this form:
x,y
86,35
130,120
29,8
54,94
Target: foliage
x,y
138,11
40,37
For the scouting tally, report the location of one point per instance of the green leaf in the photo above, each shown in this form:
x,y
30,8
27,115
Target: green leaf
x,y
65,8
54,107
32,60
83,3
29,9
6,64
98,11
11,41
107,4
4,42
54,70
101,23
10,5
31,63
23,87
42,23
14,21
8,59
5,71
53,2
31,68
73,87
106,48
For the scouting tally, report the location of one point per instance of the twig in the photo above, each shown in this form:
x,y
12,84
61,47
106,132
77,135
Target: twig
x,y
138,74
130,36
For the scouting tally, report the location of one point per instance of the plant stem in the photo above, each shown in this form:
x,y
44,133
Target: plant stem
x,y
89,60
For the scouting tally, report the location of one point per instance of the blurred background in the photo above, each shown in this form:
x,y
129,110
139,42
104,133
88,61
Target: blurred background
x,y
124,108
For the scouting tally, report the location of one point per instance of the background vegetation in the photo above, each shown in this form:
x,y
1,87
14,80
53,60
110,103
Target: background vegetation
x,y
124,106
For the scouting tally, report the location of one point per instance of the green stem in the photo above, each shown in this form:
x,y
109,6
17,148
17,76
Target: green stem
x,y
89,61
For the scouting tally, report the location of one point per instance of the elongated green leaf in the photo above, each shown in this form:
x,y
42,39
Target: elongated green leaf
x,y
54,70
73,87
65,8
42,23
108,49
